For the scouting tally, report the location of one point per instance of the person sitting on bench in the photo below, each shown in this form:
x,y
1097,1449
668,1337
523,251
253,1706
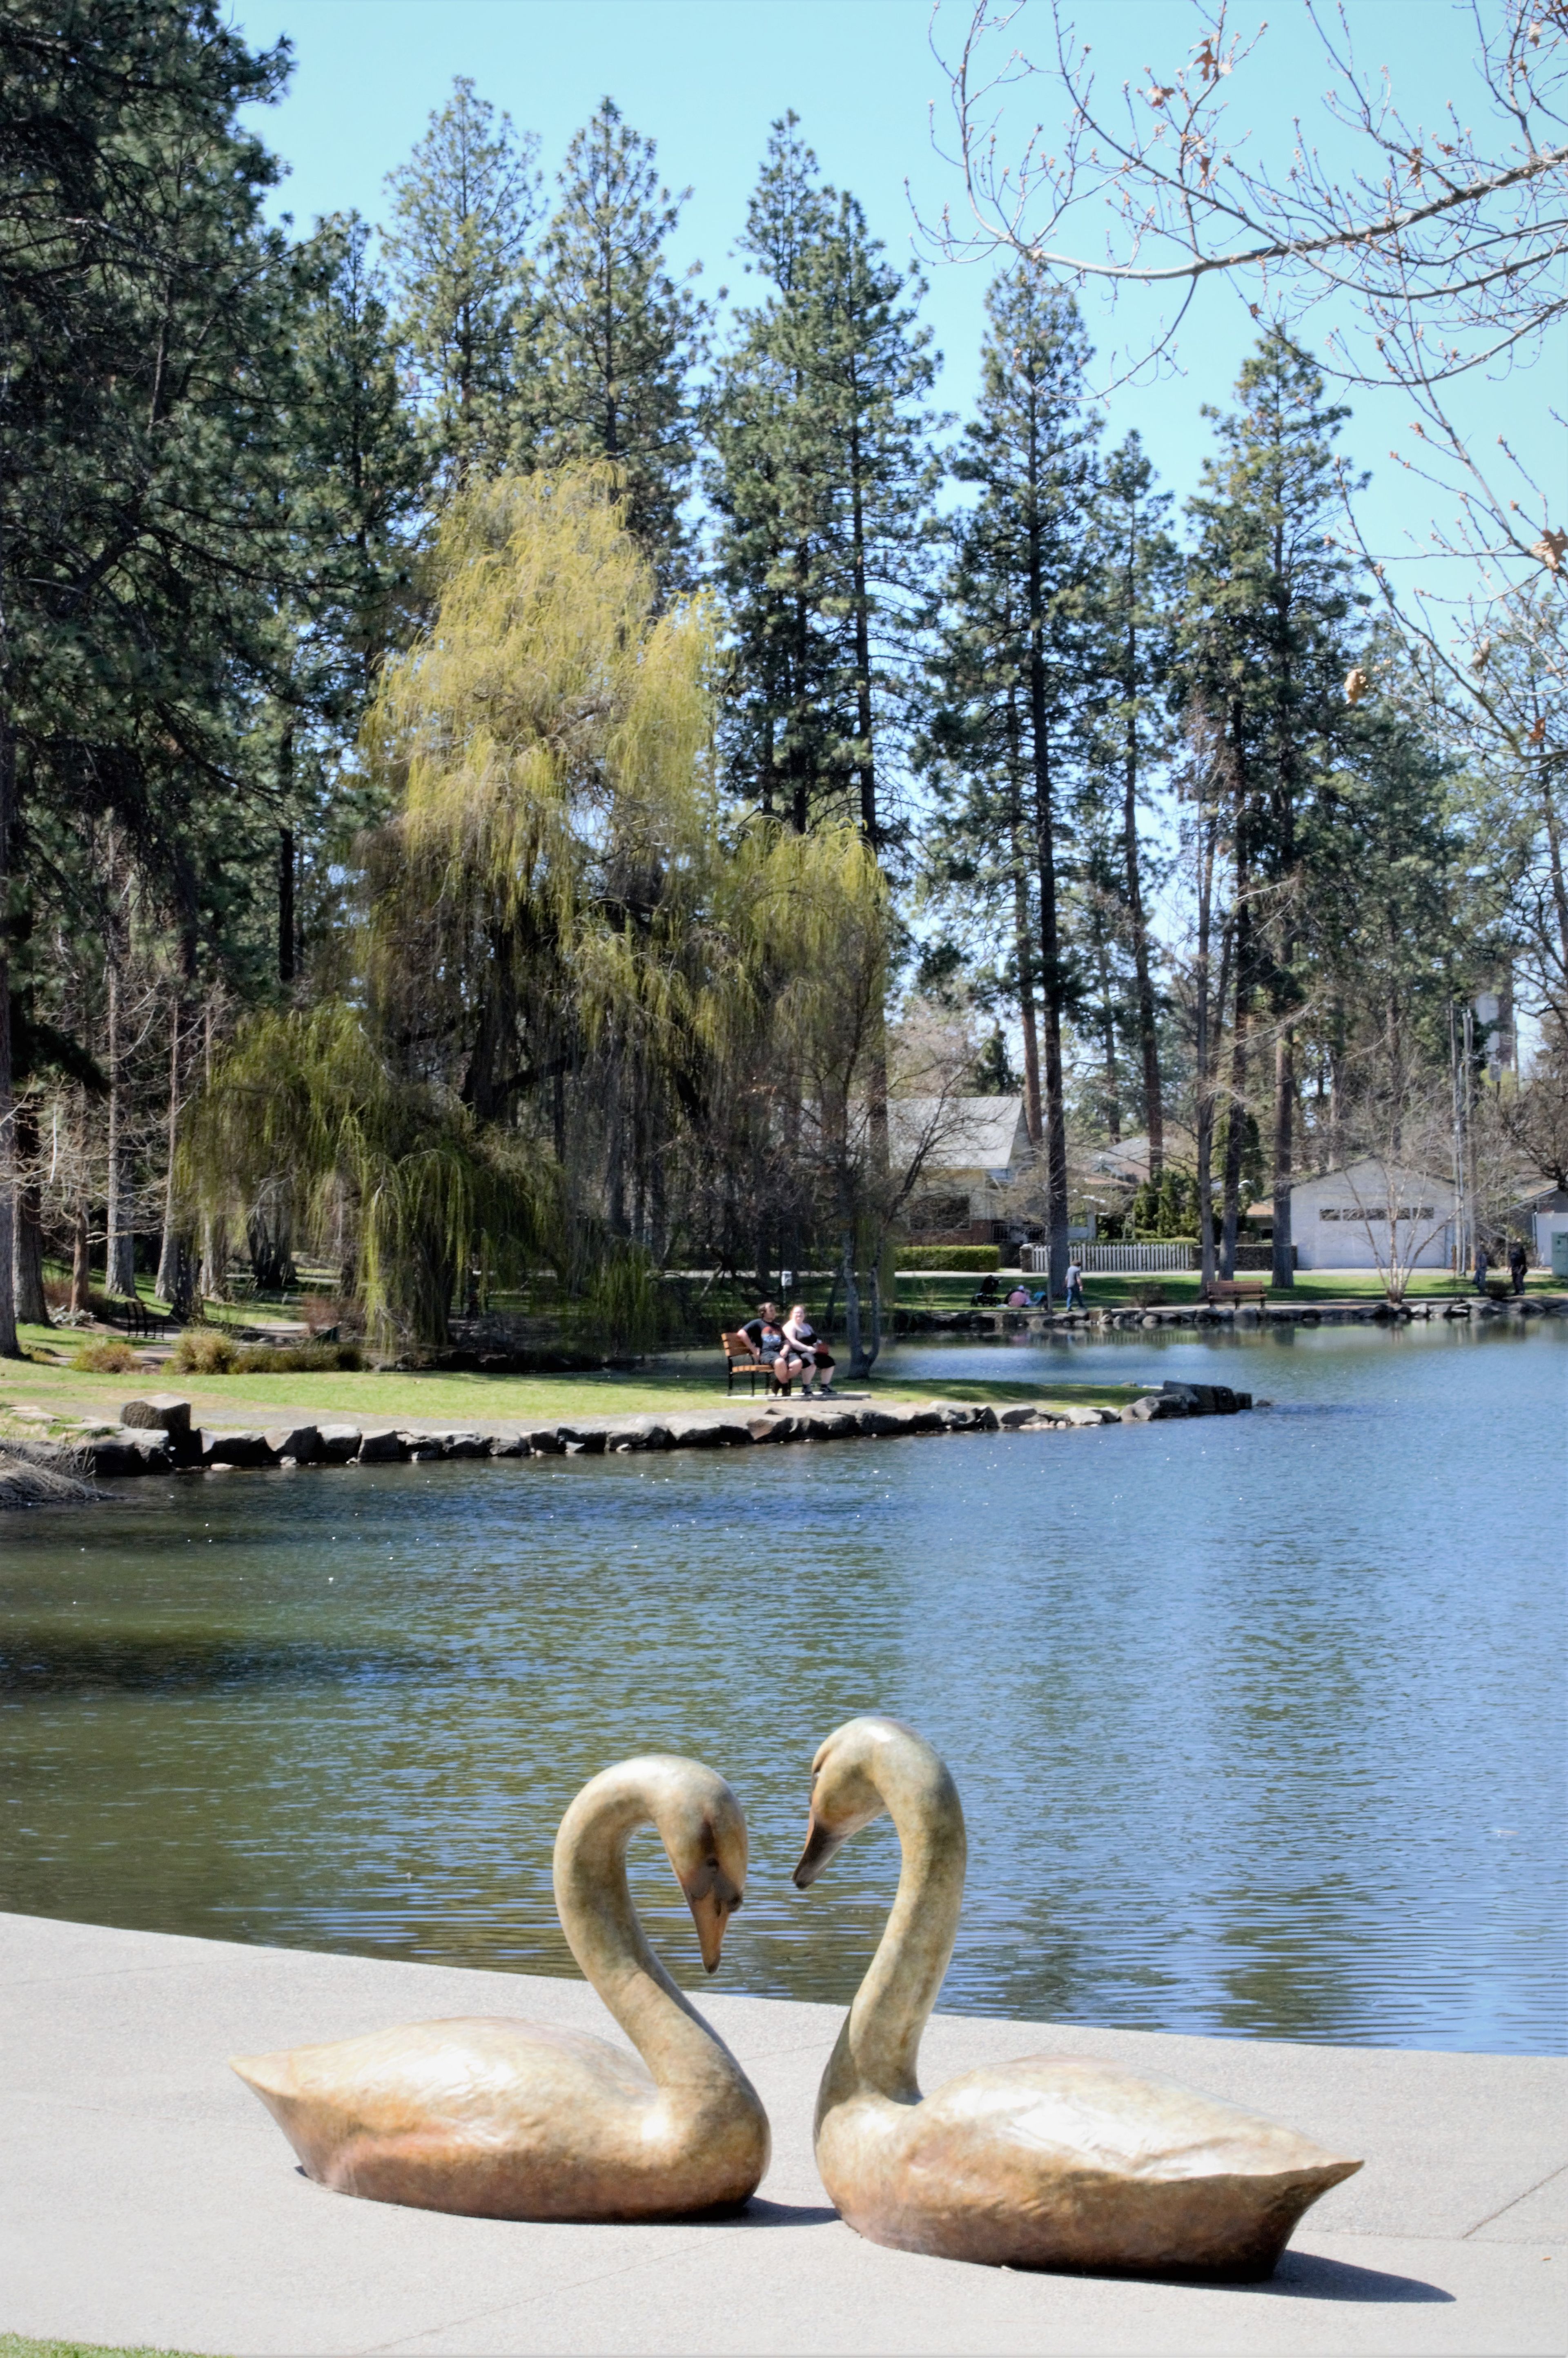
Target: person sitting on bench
x,y
766,1337
802,1337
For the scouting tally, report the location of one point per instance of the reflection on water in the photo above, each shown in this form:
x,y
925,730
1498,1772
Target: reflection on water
x,y
1255,1720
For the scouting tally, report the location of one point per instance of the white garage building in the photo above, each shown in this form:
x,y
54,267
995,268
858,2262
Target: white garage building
x,y
1340,1219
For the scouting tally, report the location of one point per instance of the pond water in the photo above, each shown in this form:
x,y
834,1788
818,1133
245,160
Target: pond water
x,y
1256,1720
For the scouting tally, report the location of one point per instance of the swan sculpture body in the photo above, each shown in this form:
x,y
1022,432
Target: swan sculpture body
x,y
516,2120
1053,2161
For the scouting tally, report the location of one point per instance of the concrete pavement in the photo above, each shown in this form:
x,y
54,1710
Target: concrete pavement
x,y
148,2198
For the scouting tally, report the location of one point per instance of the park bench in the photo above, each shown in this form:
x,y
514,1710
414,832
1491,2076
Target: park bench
x,y
1236,1289
739,1359
136,1319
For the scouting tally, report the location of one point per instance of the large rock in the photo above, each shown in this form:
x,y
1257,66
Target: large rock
x,y
885,1421
130,1451
1153,1409
512,1444
709,1433
300,1442
775,1428
580,1440
642,1432
237,1449
544,1441
836,1426
338,1442
159,1412
381,1444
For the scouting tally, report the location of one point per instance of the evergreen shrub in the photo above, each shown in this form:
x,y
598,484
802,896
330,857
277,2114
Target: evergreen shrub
x,y
913,1258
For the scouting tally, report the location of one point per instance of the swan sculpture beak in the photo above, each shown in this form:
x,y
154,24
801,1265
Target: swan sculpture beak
x,y
713,1900
821,1841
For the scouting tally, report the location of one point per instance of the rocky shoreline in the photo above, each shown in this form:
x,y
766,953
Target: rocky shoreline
x,y
155,1434
1245,1315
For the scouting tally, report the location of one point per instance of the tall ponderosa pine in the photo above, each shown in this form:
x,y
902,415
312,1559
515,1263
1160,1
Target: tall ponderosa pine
x,y
1133,599
1023,582
621,334
1268,603
463,209
143,490
825,481
768,488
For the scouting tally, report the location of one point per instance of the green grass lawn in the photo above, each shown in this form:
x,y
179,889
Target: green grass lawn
x,y
689,1380
19,2345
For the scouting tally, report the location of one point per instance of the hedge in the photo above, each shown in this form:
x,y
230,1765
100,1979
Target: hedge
x,y
912,1258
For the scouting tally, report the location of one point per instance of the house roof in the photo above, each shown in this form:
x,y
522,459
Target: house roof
x,y
967,1133
1370,1176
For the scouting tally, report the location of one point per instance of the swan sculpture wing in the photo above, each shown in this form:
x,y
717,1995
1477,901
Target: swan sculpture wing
x,y
1053,2162
516,2120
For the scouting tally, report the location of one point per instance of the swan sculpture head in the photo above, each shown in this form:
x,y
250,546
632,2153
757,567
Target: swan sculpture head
x,y
697,1819
860,1769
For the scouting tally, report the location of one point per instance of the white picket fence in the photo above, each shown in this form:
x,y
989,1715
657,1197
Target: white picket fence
x,y
1141,1257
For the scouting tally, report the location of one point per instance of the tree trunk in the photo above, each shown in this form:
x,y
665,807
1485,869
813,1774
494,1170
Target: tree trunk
x,y
285,957
1236,1117
10,1347
851,1302
1284,1272
1203,1115
1024,951
1051,976
120,1252
81,1260
1148,1029
1024,947
166,1285
1107,1044
27,1234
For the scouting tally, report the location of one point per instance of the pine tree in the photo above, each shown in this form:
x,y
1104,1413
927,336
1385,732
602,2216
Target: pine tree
x,y
768,488
825,481
621,334
463,208
1017,611
1268,603
1134,596
144,508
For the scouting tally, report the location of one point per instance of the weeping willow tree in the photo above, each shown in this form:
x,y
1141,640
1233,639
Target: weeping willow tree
x,y
574,993
536,910
392,1173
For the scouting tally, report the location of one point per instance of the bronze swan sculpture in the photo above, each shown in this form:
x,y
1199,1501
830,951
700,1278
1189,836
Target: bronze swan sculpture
x,y
515,2120
1051,2161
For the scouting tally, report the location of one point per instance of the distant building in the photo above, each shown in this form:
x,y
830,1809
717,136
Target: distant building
x,y
975,1170
1340,1219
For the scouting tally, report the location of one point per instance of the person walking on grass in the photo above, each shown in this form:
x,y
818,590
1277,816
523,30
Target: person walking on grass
x,y
1519,1261
1074,1285
1483,1263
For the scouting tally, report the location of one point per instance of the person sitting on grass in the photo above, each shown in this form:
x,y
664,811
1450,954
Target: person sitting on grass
x,y
802,1337
1018,1298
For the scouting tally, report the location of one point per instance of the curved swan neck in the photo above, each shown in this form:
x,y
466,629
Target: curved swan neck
x,y
880,2046
607,1939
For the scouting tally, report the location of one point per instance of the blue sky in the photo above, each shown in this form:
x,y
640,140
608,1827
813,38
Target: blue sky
x,y
705,77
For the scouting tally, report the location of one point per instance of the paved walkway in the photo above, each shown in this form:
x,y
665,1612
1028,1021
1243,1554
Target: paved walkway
x,y
148,2198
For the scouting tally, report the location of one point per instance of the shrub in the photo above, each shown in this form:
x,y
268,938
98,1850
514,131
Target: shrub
x,y
204,1351
106,1357
207,1351
919,1257
295,1359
